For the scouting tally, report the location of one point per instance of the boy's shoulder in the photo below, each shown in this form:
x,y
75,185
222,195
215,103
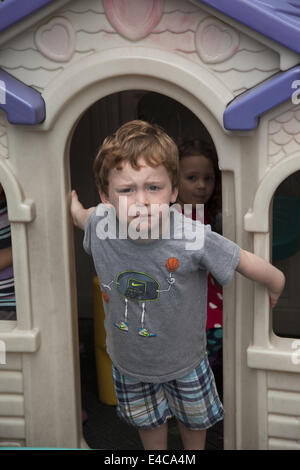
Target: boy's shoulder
x,y
101,211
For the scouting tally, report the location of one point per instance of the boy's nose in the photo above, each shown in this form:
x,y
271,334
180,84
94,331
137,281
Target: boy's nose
x,y
141,198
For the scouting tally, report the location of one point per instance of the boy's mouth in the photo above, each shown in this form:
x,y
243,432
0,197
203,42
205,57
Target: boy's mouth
x,y
142,215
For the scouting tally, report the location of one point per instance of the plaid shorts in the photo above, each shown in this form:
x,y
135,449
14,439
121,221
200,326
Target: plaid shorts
x,y
192,399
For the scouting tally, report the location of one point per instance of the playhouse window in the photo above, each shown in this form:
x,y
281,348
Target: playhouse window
x,y
286,254
7,292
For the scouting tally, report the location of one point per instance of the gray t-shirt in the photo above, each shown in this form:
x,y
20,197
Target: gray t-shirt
x,y
154,295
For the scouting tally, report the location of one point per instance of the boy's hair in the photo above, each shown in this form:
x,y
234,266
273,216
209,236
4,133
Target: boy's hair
x,y
131,141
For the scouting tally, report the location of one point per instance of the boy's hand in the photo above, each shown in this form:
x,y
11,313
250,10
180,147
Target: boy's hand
x,y
274,296
259,270
78,212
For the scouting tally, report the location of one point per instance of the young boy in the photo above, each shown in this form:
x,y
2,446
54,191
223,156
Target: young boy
x,y
154,289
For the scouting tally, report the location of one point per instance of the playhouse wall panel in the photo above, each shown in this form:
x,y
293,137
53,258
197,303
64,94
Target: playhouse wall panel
x,y
9,443
284,134
13,361
11,405
12,428
38,55
286,403
283,381
11,382
287,427
283,444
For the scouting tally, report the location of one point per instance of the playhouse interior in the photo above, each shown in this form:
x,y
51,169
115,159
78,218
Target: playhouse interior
x,y
101,119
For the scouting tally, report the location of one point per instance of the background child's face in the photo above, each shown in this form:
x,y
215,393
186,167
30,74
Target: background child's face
x,y
196,180
139,189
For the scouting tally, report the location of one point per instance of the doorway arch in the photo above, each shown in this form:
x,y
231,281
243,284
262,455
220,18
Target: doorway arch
x,y
133,68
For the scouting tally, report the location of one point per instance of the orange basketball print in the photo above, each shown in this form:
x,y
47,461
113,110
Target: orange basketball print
x,y
172,264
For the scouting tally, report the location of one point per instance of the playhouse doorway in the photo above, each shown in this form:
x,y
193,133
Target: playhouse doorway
x,y
101,427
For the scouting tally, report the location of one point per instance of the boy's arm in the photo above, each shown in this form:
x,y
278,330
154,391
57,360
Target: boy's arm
x,y
259,270
78,212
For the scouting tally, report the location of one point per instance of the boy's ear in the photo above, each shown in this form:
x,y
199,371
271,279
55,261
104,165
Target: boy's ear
x,y
174,195
103,197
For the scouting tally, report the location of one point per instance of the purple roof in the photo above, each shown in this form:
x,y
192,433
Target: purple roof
x,y
243,112
276,19
12,11
22,104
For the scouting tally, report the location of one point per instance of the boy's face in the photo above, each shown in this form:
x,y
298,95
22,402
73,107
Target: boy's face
x,y
137,194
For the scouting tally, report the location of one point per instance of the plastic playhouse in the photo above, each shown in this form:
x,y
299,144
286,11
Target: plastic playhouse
x,y
235,64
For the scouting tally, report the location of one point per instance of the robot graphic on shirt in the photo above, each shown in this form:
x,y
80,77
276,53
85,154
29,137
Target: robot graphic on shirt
x,y
140,287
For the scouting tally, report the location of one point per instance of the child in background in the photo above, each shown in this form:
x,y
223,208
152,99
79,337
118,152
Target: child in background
x,y
7,290
155,288
200,180
200,183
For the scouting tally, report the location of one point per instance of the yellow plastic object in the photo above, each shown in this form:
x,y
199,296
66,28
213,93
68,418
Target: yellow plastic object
x,y
106,390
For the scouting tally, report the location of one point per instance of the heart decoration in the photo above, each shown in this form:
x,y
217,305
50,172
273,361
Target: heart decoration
x,y
133,19
56,40
215,41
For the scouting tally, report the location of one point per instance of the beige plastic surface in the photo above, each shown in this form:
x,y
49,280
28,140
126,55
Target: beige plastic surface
x,y
40,397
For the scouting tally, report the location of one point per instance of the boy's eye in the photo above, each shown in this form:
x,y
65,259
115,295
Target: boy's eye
x,y
153,187
125,190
